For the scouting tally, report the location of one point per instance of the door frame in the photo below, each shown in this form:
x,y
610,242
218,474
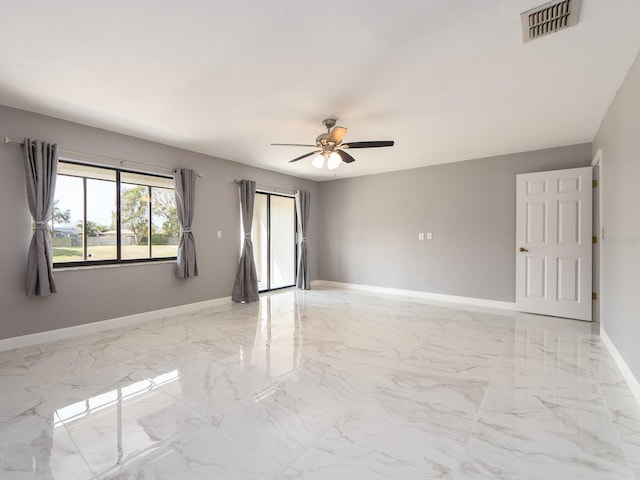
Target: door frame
x,y
598,161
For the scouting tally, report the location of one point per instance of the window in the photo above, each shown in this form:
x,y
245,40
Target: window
x,y
105,215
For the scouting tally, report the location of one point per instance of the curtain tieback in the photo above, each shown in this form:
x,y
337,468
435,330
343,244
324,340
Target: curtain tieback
x,y
41,225
303,239
185,230
247,235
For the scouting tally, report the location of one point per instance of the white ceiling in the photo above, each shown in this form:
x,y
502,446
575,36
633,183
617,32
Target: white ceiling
x,y
448,80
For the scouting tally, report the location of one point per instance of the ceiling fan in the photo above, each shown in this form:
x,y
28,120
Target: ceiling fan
x,y
330,146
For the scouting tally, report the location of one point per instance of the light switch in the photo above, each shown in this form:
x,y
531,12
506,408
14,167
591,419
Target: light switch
x,y
219,233
421,236
429,236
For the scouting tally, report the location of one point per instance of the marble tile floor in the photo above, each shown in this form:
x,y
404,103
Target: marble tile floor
x,y
323,384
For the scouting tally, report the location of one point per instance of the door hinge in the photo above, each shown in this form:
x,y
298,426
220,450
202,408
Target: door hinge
x,y
594,239
594,184
594,296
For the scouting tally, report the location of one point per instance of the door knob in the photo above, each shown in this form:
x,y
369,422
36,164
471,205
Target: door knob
x,y
522,249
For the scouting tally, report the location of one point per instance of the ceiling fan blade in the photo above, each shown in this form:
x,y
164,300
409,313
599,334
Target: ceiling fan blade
x,y
336,135
304,156
382,143
291,145
346,158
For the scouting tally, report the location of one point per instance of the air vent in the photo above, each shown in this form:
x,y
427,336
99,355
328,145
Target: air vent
x,y
549,18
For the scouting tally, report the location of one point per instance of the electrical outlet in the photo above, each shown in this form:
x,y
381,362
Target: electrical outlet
x,y
219,233
421,236
429,236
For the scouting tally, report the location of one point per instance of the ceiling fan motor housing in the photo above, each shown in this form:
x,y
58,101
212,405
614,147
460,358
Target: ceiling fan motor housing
x,y
322,140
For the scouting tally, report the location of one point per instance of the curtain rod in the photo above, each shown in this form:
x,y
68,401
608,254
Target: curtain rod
x,y
121,160
275,189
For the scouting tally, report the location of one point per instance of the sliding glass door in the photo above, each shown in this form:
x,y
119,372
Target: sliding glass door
x,y
282,237
274,240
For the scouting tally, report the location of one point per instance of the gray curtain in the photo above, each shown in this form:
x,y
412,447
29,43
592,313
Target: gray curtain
x,y
303,201
41,168
245,287
185,189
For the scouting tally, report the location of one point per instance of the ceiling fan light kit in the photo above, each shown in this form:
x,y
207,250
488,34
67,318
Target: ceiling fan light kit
x,y
333,161
331,147
318,161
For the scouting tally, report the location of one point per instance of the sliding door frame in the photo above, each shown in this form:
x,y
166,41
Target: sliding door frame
x,y
295,243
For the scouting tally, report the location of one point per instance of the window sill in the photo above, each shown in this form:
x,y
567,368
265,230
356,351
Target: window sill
x,y
112,265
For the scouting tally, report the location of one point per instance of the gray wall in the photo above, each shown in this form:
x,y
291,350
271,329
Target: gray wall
x,y
91,295
619,138
368,231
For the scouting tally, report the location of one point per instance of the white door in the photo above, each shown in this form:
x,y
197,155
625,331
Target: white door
x,y
553,243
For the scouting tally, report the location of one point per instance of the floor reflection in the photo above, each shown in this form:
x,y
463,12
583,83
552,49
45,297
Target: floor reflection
x,y
279,319
321,384
123,425
113,398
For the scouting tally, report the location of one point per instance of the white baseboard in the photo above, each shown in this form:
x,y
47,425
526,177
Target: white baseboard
x,y
622,365
439,297
103,325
